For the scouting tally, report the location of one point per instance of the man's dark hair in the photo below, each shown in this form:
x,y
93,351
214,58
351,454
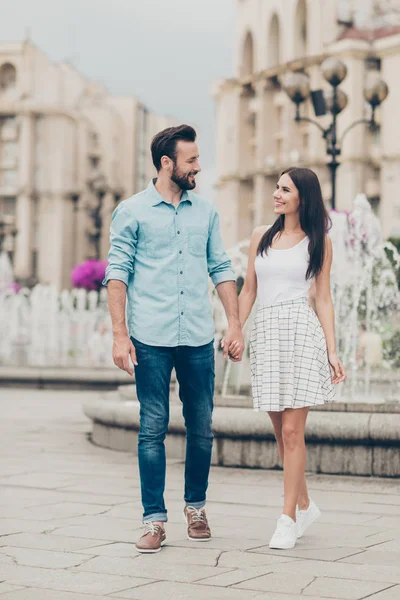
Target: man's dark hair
x,y
164,143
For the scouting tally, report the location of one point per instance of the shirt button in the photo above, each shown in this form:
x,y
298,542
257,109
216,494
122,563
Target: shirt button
x,y
181,293
181,272
180,251
178,232
181,313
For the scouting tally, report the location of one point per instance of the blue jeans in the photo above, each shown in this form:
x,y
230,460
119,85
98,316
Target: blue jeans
x,y
194,368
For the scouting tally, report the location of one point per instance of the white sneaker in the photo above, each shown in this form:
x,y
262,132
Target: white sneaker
x,y
285,534
305,518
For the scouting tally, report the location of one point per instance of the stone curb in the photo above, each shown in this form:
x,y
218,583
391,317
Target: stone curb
x,y
338,443
244,423
64,377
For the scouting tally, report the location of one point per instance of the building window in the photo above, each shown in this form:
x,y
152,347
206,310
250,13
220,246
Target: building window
x,y
8,129
8,154
94,162
274,43
247,56
8,77
7,215
35,265
300,49
8,178
305,141
8,206
375,204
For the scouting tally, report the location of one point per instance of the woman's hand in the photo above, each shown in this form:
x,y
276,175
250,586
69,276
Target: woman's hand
x,y
339,372
235,351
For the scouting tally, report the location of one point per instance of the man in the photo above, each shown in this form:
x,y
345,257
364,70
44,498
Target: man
x,y
165,241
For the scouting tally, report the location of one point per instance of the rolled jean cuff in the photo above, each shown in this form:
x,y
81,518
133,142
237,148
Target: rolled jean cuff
x,y
196,504
160,516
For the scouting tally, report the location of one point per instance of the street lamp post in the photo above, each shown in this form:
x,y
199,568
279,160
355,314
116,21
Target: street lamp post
x,y
334,101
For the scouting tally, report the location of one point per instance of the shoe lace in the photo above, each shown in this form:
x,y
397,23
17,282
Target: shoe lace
x,y
198,514
150,527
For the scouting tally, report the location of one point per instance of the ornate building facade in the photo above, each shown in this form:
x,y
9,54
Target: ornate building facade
x,y
69,152
256,133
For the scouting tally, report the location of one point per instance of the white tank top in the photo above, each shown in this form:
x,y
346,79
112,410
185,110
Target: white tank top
x,y
281,274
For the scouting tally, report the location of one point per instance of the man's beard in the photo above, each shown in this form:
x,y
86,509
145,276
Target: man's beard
x,y
182,181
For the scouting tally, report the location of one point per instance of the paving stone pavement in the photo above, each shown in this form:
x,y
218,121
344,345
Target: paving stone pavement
x,y
70,514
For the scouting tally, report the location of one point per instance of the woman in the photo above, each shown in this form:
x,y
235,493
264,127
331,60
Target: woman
x,y
290,348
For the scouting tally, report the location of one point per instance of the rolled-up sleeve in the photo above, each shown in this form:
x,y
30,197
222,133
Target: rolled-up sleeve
x,y
219,264
123,241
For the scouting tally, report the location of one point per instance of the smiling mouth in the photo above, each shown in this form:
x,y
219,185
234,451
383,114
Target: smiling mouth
x,y
278,204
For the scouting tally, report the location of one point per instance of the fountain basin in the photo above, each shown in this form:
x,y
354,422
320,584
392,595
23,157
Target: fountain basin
x,y
341,439
82,378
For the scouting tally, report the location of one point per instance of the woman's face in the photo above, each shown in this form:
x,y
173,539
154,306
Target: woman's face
x,y
286,196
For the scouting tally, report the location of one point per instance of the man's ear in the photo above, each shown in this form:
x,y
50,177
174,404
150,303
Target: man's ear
x,y
165,162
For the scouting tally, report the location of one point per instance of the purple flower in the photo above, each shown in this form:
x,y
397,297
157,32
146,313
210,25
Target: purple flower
x,y
89,274
15,287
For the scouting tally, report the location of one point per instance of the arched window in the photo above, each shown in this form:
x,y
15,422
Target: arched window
x,y
300,48
274,42
247,67
8,76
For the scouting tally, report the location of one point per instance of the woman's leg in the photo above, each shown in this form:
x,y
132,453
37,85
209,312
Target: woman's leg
x,y
294,460
276,418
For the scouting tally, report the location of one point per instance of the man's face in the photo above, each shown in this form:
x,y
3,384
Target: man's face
x,y
186,165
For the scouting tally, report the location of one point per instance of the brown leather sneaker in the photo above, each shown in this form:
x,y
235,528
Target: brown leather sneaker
x,y
152,539
198,528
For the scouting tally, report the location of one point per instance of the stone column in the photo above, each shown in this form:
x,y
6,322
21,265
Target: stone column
x,y
24,209
80,224
52,223
389,208
106,213
259,200
68,236
247,131
260,153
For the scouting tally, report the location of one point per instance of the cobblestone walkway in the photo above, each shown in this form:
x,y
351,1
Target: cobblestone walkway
x,y
70,514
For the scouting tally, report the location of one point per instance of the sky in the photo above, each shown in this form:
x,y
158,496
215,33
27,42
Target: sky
x,y
169,53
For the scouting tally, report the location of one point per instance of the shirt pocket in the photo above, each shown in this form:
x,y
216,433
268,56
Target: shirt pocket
x,y
197,240
158,241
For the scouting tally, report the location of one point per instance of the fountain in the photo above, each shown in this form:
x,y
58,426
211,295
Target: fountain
x,y
45,328
50,337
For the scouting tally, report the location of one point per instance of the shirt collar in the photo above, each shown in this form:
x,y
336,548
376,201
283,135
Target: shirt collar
x,y
156,197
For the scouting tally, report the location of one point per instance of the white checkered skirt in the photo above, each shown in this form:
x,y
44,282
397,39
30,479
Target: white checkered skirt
x,y
288,358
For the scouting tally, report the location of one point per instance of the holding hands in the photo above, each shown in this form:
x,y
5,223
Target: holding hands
x,y
233,343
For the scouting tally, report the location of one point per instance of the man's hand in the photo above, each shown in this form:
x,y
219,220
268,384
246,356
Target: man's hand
x,y
122,350
233,343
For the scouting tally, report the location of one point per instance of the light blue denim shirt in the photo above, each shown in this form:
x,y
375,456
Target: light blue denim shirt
x,y
164,254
